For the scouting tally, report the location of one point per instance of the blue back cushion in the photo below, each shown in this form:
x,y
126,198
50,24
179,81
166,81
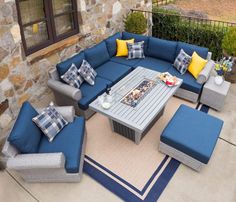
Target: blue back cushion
x,y
189,49
111,44
64,66
162,49
97,55
137,38
25,135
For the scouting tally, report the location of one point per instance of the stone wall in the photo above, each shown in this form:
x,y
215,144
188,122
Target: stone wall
x,y
21,80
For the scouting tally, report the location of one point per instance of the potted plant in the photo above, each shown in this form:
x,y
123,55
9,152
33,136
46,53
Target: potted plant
x,y
135,22
229,48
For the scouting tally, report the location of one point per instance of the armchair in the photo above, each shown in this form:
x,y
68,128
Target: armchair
x,y
59,161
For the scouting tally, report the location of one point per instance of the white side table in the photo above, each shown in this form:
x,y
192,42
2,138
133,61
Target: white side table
x,y
214,95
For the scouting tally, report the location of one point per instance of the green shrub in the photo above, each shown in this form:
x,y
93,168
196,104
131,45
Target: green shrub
x,y
136,23
171,26
229,42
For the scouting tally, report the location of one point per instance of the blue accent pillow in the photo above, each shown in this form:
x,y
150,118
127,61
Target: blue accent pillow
x,y
182,62
137,38
50,121
87,72
97,55
135,50
63,67
25,135
111,43
190,48
162,49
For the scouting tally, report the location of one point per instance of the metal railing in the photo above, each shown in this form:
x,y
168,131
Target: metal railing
x,y
161,2
173,26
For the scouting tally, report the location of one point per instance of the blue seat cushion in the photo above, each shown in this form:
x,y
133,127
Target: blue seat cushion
x,y
25,135
193,132
137,38
189,49
189,82
154,64
111,44
125,61
69,141
162,49
90,93
113,71
97,55
64,66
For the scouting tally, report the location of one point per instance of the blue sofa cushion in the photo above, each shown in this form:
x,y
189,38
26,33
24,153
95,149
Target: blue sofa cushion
x,y
137,38
63,67
154,64
97,55
111,44
90,93
189,49
25,135
69,141
125,61
189,82
193,132
113,71
162,49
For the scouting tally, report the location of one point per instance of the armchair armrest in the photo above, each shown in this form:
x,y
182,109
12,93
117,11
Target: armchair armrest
x,y
68,112
65,89
205,73
36,161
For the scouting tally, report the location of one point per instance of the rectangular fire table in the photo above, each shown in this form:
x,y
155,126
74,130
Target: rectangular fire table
x,y
133,119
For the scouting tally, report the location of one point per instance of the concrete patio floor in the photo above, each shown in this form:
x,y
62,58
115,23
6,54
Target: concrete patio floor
x,y
217,182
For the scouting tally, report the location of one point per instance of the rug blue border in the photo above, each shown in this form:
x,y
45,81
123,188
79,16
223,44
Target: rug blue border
x,y
125,194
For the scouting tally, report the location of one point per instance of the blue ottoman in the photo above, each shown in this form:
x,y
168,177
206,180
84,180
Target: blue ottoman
x,y
190,137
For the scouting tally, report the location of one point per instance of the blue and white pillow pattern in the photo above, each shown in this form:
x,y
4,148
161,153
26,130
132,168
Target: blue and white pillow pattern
x,y
72,77
135,50
50,122
182,62
87,72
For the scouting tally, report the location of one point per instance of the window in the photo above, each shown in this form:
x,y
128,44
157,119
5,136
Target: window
x,y
44,22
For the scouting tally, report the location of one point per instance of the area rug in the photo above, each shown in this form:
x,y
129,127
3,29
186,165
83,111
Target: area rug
x,y
132,172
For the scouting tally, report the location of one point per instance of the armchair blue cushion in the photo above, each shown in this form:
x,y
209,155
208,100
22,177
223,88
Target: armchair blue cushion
x,y
69,141
25,135
63,67
162,49
190,48
90,93
113,71
97,55
111,43
137,38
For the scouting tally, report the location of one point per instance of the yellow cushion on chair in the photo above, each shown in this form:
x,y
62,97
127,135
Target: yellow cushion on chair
x,y
197,64
122,49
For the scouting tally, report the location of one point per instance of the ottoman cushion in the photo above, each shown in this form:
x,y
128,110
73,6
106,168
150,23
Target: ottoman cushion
x,y
193,132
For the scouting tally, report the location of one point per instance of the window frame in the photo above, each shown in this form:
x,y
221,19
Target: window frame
x,y
50,24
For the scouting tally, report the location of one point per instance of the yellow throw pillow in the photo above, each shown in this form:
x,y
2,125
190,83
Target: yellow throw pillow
x,y
197,64
122,49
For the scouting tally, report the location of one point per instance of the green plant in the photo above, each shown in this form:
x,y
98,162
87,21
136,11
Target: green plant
x,y
229,42
136,23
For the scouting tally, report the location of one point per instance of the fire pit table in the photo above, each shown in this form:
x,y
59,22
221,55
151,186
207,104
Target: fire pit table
x,y
139,101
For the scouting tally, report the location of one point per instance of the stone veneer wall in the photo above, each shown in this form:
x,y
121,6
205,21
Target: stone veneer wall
x,y
21,80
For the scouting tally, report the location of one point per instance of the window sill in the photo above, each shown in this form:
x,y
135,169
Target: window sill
x,y
54,48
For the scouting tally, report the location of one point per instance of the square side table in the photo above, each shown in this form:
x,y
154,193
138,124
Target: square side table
x,y
214,95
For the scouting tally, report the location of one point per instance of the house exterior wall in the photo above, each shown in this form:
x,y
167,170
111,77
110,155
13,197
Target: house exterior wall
x,y
22,80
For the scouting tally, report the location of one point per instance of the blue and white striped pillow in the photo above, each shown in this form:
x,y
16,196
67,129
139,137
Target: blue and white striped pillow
x,y
72,77
87,72
135,50
182,62
50,122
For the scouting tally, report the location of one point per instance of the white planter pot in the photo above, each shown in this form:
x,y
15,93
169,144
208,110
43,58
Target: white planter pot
x,y
219,80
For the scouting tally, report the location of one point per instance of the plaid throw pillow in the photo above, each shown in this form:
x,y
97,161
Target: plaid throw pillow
x,y
50,122
135,50
72,77
182,62
87,72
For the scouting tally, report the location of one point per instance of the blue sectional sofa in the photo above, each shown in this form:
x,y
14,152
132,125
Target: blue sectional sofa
x,y
159,55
